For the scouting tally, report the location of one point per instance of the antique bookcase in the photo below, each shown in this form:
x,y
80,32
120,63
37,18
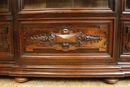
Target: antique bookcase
x,y
65,39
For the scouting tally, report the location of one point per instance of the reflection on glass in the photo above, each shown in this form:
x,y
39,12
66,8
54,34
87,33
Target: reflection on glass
x,y
3,5
37,4
34,4
128,4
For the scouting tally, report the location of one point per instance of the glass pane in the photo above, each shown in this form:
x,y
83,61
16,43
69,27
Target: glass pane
x,y
3,5
36,4
128,4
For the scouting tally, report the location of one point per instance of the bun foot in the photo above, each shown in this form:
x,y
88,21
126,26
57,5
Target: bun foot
x,y
111,81
21,80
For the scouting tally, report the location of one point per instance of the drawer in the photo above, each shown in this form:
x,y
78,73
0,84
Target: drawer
x,y
73,39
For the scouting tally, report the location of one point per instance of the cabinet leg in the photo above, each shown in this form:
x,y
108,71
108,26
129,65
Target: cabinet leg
x,y
111,81
21,79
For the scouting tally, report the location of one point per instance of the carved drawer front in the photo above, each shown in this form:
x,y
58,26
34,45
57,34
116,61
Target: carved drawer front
x,y
65,39
66,42
6,51
71,37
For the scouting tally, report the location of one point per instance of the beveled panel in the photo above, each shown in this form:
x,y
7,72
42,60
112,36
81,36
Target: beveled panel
x,y
6,43
126,38
125,42
66,42
84,37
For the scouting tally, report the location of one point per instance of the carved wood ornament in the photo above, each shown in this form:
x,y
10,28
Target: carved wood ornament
x,y
65,40
4,45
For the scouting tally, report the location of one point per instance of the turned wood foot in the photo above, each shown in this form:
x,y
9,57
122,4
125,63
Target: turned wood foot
x,y
21,79
111,81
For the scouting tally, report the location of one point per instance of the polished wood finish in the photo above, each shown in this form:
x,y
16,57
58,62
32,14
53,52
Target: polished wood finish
x,y
69,71
74,39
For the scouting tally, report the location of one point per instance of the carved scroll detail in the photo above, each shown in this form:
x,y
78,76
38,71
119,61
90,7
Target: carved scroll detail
x,y
4,45
65,40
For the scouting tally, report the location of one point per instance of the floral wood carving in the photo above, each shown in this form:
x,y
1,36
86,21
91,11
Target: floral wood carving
x,y
4,45
65,40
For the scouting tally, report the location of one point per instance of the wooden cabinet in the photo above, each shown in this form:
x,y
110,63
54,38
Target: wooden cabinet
x,y
65,38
